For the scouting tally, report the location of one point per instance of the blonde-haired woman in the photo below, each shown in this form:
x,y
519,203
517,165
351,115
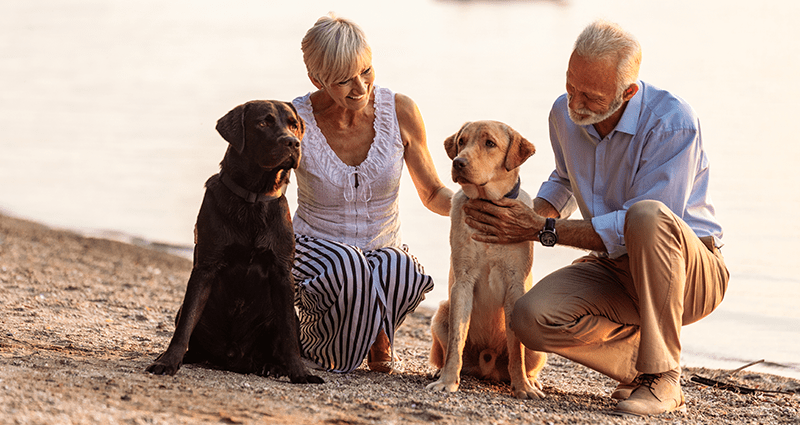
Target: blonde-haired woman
x,y
356,282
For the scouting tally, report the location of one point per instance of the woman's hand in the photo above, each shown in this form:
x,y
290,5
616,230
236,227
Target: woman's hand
x,y
505,221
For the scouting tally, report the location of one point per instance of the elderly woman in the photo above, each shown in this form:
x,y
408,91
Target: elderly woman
x,y
356,281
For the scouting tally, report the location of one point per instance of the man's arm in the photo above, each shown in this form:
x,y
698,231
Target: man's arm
x,y
511,221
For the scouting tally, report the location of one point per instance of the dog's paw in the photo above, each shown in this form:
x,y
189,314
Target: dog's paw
x,y
442,385
528,391
162,368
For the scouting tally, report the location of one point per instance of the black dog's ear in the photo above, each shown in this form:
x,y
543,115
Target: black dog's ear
x,y
451,143
231,127
300,122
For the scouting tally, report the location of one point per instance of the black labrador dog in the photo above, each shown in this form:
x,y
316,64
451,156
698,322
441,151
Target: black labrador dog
x,y
238,312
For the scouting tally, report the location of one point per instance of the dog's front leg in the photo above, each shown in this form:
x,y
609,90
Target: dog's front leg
x,y
520,385
461,295
197,292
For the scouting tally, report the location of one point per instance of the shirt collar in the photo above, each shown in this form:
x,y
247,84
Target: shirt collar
x,y
630,118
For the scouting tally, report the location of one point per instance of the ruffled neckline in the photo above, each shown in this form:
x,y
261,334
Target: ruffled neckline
x,y
378,156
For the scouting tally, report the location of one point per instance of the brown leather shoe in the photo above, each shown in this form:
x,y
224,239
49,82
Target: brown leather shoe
x,y
656,393
623,390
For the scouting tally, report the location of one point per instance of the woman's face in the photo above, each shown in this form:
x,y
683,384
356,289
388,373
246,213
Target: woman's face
x,y
355,92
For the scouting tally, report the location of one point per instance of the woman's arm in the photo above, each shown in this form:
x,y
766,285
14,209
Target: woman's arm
x,y
434,195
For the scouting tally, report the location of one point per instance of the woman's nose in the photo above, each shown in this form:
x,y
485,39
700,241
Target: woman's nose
x,y
359,87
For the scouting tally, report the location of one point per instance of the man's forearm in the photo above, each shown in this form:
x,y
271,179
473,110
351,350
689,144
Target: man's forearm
x,y
575,233
579,234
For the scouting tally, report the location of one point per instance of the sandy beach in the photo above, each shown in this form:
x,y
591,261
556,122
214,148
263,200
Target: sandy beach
x,y
80,319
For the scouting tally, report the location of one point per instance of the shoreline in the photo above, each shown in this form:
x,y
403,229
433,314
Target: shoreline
x,y
700,359
83,316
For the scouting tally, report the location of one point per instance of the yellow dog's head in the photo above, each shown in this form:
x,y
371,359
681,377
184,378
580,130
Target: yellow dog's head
x,y
486,158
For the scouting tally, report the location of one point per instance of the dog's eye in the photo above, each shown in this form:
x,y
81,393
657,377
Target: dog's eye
x,y
268,121
490,144
461,142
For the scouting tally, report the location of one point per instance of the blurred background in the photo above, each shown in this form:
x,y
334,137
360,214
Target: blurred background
x,y
108,108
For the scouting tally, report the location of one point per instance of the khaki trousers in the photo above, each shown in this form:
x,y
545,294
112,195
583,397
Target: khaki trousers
x,y
623,316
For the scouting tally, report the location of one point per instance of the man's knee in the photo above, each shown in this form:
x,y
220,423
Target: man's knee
x,y
525,322
645,214
646,219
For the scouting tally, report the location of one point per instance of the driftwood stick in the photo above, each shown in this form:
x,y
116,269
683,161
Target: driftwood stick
x,y
737,370
735,388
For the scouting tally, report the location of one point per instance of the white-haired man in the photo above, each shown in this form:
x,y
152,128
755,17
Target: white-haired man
x,y
630,155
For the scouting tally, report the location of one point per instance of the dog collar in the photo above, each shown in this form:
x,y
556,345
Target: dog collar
x,y
514,191
250,197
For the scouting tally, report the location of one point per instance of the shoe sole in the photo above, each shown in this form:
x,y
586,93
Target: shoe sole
x,y
679,409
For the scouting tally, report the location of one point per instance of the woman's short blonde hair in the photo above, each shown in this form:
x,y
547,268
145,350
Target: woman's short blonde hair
x,y
603,40
335,49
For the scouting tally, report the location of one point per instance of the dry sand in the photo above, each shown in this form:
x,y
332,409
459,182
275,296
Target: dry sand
x,y
80,319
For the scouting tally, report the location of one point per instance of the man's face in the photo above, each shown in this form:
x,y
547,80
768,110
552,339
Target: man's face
x,y
592,90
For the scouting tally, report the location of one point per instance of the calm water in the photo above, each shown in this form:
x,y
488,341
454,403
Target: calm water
x,y
107,114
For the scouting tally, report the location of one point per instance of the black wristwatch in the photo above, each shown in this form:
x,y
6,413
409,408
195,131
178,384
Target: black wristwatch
x,y
548,236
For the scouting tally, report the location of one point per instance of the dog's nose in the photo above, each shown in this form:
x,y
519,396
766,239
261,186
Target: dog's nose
x,y
291,141
459,163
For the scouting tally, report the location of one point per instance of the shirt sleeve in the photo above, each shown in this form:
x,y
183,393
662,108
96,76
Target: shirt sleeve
x,y
669,163
557,190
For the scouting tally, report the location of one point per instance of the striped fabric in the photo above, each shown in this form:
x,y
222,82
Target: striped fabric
x,y
345,296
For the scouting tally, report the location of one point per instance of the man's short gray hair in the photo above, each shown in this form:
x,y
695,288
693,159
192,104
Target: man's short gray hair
x,y
335,49
603,40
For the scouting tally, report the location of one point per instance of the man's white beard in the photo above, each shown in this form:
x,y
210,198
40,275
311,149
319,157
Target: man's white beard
x,y
591,117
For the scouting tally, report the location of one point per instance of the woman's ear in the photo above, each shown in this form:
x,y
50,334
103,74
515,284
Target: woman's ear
x,y
315,82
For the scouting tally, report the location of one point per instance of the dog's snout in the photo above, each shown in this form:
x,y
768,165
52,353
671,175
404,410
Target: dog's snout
x,y
460,163
290,141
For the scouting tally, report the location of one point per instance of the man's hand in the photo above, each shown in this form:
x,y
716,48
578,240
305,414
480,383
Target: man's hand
x,y
505,221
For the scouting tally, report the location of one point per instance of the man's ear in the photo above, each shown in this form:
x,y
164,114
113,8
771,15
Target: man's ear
x,y
630,92
231,127
519,149
451,143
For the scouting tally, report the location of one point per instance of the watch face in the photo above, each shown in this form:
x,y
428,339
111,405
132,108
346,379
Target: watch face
x,y
548,238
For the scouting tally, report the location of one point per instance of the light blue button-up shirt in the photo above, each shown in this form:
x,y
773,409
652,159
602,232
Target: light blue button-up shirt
x,y
655,152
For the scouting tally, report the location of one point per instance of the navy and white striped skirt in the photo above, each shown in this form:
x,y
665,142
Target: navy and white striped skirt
x,y
345,296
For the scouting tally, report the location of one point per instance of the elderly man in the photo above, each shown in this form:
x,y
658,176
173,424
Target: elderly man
x,y
630,155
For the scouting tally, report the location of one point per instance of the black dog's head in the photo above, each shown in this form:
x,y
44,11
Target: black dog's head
x,y
264,132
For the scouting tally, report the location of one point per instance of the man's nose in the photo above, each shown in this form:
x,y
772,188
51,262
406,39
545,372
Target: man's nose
x,y
575,102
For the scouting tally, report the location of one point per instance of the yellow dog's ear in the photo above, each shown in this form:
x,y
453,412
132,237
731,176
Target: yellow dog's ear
x,y
519,149
451,143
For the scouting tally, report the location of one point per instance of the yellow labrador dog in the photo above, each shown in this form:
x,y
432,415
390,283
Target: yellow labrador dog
x,y
469,329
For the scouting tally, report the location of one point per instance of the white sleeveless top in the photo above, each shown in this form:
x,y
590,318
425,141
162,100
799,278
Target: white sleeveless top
x,y
330,205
